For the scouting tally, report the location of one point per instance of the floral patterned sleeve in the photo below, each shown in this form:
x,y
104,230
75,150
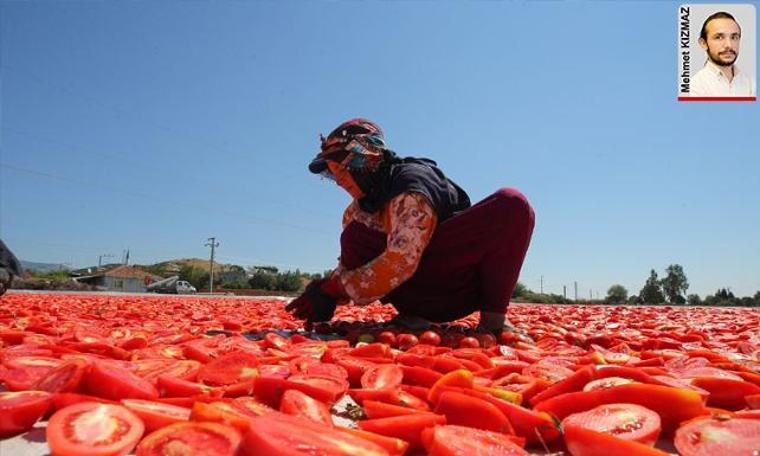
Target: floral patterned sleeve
x,y
411,222
348,214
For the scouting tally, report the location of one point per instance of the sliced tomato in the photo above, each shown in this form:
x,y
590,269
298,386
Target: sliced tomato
x,y
277,434
463,410
727,393
299,404
586,442
394,446
418,375
20,410
156,415
713,436
251,406
176,387
108,381
382,376
394,397
61,400
674,405
93,428
191,438
461,378
222,412
451,440
65,378
574,382
231,368
408,427
624,421
377,409
604,383
325,389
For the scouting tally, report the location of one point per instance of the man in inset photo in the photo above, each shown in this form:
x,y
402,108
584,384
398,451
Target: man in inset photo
x,y
720,38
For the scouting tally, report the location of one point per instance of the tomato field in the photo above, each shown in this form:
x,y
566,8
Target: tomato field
x,y
111,375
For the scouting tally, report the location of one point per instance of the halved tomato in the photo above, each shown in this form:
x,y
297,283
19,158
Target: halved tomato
x,y
718,436
231,368
624,421
382,376
586,442
20,410
93,428
407,427
463,410
277,433
299,404
191,438
65,378
451,440
111,382
156,415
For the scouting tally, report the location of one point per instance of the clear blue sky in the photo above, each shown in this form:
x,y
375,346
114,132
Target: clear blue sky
x,y
154,125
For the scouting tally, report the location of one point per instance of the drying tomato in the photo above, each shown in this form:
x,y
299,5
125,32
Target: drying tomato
x,y
279,434
463,410
586,442
299,404
64,378
430,338
382,376
450,440
718,436
624,421
408,427
406,341
394,447
20,410
156,415
111,382
93,428
231,368
190,438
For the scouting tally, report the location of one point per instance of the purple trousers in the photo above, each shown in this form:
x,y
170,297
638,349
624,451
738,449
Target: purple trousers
x,y
471,263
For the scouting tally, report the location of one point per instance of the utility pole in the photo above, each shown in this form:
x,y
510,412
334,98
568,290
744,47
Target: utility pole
x,y
213,244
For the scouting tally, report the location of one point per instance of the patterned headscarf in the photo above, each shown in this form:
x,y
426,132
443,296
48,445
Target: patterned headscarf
x,y
357,144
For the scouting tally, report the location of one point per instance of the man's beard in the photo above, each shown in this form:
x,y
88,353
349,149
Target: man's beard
x,y
718,60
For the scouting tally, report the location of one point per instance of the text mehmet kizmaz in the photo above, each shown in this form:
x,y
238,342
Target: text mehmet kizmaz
x,y
684,40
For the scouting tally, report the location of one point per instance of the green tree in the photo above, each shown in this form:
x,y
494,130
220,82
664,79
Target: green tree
x,y
520,290
289,281
617,294
693,300
196,276
263,280
675,284
652,291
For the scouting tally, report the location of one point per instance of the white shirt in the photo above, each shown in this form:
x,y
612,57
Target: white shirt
x,y
710,82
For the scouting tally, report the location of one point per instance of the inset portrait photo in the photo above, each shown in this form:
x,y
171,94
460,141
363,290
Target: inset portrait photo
x,y
717,52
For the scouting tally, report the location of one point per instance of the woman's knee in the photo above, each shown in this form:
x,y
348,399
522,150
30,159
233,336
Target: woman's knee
x,y
514,205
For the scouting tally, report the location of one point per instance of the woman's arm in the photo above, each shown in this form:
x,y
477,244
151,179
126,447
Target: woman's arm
x,y
412,221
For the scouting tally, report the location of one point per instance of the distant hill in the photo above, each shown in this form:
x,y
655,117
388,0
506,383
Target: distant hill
x,y
194,262
41,267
